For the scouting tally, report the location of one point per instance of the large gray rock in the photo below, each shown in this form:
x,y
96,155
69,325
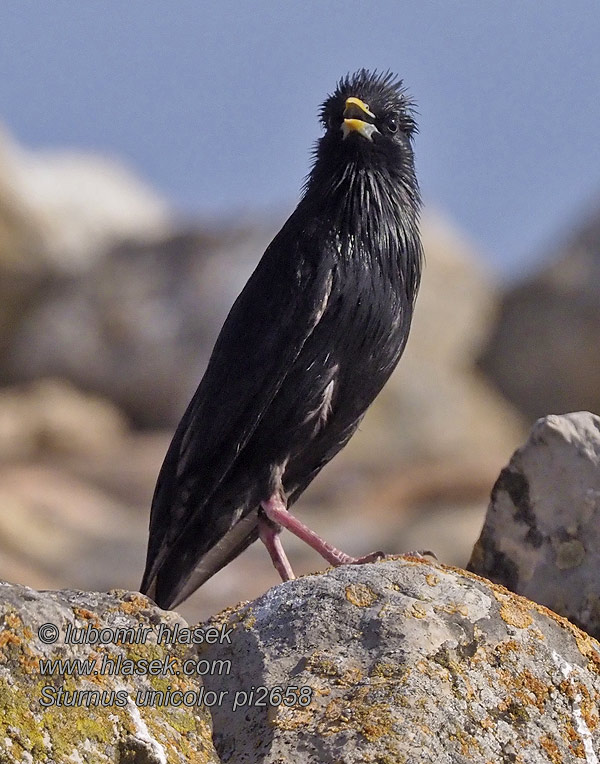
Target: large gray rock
x,y
541,536
403,661
542,352
99,716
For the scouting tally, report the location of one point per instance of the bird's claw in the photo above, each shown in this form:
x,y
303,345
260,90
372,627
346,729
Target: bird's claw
x,y
373,557
422,553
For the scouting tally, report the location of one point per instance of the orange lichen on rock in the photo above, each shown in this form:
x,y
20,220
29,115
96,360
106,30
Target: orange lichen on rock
x,y
360,595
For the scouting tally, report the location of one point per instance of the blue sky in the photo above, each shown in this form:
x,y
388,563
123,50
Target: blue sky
x,y
215,103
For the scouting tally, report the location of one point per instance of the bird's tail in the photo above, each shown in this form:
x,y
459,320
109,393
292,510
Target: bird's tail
x,y
182,571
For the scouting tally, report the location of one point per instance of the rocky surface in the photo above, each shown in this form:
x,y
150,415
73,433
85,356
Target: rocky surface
x,y
541,536
404,661
106,714
543,350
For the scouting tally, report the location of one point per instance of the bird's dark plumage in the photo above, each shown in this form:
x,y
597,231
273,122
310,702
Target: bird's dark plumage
x,y
307,346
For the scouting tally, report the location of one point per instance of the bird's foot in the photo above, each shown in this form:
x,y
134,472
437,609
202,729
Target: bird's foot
x,y
277,513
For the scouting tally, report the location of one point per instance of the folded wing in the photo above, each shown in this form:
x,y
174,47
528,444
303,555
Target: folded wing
x,y
258,344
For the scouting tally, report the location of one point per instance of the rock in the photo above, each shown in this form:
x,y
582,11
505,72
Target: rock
x,y
51,415
542,352
541,536
401,660
59,213
76,204
404,661
22,267
139,325
58,531
77,715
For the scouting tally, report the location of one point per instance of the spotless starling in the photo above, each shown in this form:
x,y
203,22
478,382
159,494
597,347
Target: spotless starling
x,y
307,346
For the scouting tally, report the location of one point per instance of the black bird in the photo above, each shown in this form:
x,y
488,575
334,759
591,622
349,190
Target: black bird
x,y
307,346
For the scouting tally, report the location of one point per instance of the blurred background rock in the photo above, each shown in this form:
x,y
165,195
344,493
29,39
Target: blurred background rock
x,y
544,350
112,291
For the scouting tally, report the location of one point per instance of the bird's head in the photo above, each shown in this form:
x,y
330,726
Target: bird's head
x,y
369,124
371,106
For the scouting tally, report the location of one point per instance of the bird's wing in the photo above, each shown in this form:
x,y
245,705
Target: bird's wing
x,y
262,336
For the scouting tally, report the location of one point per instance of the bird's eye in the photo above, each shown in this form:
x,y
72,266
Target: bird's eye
x,y
391,125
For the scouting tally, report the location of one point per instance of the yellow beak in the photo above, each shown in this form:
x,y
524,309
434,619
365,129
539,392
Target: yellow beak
x,y
353,122
360,105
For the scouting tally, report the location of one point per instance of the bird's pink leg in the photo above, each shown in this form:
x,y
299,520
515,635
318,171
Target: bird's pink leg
x,y
269,535
276,511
